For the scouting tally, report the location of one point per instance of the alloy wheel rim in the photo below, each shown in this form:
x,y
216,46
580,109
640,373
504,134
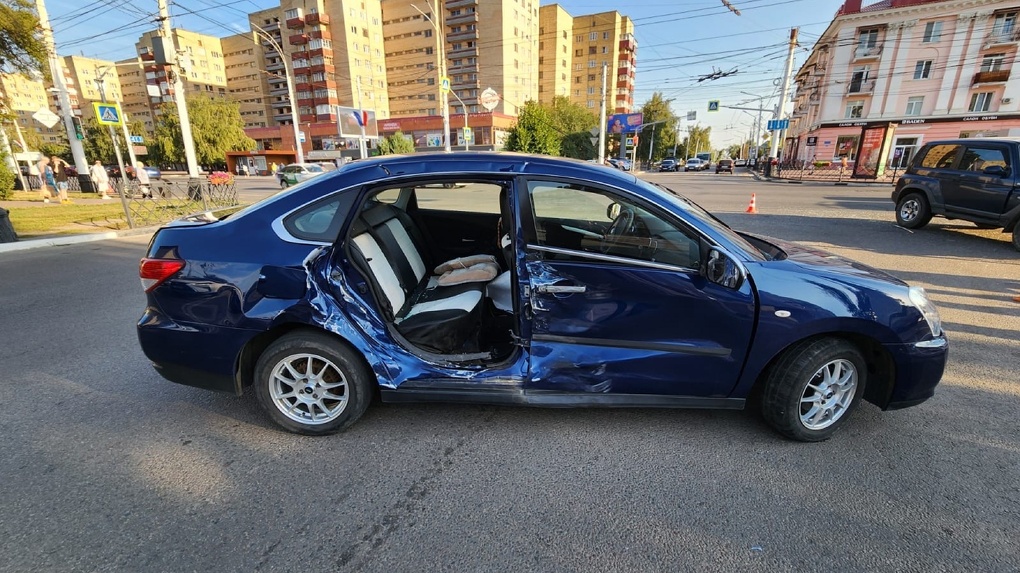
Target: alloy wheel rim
x,y
828,394
909,210
308,389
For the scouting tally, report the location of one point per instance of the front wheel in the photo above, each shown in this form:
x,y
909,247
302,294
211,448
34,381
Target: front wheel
x,y
913,211
811,391
311,383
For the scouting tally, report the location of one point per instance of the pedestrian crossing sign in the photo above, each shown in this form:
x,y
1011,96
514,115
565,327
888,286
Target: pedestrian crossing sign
x,y
107,113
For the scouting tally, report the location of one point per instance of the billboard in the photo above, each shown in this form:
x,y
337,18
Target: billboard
x,y
873,151
350,126
624,122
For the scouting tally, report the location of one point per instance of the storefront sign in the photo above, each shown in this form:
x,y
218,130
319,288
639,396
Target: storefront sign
x,y
914,121
812,141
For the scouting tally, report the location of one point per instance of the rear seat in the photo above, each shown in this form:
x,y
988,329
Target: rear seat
x,y
445,319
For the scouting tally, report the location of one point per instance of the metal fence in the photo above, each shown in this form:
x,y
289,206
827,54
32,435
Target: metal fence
x,y
164,200
833,173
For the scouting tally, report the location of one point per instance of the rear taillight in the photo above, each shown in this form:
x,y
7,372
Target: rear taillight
x,y
154,271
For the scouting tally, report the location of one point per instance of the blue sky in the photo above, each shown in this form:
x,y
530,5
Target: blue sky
x,y
677,42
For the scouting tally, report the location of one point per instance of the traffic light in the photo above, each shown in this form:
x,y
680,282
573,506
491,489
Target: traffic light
x,y
79,132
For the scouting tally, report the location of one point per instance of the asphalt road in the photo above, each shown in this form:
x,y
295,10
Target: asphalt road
x,y
106,467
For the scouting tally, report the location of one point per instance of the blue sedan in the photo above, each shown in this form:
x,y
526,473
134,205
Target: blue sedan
x,y
513,279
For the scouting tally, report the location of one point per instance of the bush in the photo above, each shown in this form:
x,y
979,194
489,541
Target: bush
x,y
7,178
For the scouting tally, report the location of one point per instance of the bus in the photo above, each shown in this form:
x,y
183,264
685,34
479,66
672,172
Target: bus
x,y
706,158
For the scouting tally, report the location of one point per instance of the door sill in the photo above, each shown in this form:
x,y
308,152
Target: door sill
x,y
509,392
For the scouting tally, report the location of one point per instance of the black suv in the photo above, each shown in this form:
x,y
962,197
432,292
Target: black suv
x,y
969,179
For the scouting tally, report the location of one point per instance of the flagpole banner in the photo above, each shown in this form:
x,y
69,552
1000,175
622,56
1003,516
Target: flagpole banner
x,y
351,118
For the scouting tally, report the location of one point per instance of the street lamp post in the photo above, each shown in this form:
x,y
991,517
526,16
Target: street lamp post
x,y
101,84
441,62
299,150
466,128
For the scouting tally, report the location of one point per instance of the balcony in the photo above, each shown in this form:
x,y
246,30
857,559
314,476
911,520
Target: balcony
x,y
453,4
464,51
279,91
275,66
320,52
462,35
628,45
998,76
317,18
272,26
861,87
325,68
280,104
326,117
307,118
463,18
868,52
298,39
295,23
1002,37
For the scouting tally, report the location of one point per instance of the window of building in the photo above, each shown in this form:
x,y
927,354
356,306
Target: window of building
x,y
593,36
932,32
1004,26
605,49
867,39
592,50
992,62
922,69
981,101
914,105
605,35
578,53
591,63
591,77
591,91
578,38
846,146
854,109
292,13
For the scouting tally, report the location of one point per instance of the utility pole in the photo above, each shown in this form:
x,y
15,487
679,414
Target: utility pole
x,y
166,32
127,135
441,32
299,150
101,84
361,121
444,108
57,73
784,94
651,145
602,118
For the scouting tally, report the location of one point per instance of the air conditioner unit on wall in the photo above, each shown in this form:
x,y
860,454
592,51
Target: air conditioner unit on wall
x,y
1007,100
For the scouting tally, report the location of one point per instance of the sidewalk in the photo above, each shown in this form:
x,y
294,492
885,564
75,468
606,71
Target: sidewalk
x,y
795,177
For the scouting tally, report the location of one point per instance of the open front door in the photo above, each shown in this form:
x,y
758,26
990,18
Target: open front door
x,y
617,306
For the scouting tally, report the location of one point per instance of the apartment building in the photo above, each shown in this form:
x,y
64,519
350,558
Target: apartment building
x,y
555,52
243,60
25,95
931,69
88,79
135,94
202,70
594,39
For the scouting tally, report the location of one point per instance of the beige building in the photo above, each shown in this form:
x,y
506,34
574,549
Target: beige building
x,y
24,96
201,57
505,58
243,60
134,93
596,39
555,56
84,76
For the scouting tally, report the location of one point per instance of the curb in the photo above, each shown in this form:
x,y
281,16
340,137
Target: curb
x,y
72,239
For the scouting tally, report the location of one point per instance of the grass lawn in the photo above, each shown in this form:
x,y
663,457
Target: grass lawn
x,y
57,219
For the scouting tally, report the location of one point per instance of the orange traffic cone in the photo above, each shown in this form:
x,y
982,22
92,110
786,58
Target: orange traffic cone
x,y
751,207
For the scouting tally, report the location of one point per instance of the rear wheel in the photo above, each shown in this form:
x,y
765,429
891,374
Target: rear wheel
x,y
811,391
310,383
913,211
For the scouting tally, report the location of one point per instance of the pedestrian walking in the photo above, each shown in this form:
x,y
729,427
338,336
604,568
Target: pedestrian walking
x,y
101,179
244,169
60,177
240,168
143,180
45,176
272,168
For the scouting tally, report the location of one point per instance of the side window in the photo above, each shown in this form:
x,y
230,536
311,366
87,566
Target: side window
x,y
587,220
940,156
978,158
321,220
463,197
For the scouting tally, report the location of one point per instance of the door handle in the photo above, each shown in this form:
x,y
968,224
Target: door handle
x,y
559,289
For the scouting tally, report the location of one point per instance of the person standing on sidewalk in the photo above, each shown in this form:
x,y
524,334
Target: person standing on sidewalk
x,y
60,176
100,178
143,180
45,177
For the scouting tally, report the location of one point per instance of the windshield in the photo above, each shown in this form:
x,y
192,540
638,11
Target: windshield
x,y
698,212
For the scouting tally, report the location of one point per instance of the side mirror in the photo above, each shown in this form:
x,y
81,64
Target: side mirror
x,y
996,171
721,269
613,211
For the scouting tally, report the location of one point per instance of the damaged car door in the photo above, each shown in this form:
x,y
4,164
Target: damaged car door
x,y
618,306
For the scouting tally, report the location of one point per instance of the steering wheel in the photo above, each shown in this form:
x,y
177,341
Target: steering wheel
x,y
621,226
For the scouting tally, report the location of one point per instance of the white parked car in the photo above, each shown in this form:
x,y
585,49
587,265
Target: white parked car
x,y
694,164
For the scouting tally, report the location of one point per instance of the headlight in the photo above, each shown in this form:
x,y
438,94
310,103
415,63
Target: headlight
x,y
931,314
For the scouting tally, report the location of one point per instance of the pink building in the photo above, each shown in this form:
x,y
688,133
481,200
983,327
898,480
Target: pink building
x,y
933,68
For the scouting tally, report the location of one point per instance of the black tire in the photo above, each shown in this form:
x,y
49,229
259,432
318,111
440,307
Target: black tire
x,y
283,184
787,386
913,211
339,365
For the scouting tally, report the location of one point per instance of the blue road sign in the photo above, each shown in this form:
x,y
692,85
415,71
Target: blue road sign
x,y
778,124
106,113
713,105
137,139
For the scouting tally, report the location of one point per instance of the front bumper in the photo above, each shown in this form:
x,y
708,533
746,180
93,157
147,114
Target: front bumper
x,y
919,368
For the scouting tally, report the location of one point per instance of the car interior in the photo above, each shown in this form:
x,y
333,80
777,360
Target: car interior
x,y
439,257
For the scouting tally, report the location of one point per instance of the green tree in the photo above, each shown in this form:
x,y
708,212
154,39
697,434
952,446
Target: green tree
x,y
661,136
578,145
395,144
534,132
7,177
216,128
573,123
698,140
734,150
97,142
21,46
